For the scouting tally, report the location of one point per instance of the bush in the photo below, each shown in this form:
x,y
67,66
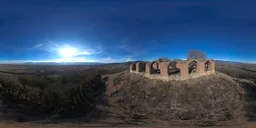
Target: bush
x,y
196,54
236,72
207,99
29,97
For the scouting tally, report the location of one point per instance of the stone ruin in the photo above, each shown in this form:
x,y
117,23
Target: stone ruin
x,y
174,70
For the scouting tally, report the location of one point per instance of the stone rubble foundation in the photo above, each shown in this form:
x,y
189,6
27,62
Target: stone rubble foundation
x,y
175,77
161,70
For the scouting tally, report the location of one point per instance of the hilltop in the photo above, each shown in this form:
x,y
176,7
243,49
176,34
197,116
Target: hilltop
x,y
207,99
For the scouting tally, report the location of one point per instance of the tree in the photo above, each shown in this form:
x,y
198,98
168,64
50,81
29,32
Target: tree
x,y
196,54
164,59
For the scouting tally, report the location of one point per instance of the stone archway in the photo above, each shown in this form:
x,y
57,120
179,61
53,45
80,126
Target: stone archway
x,y
133,67
140,67
172,68
155,67
208,66
193,66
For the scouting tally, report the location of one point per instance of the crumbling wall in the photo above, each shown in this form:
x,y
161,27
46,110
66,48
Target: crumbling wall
x,y
140,67
132,67
164,68
148,68
183,66
155,65
200,67
173,77
211,66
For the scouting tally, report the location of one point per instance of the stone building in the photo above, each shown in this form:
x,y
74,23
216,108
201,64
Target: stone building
x,y
176,67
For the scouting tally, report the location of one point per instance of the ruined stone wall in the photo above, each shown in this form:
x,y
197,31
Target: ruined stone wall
x,y
183,66
212,66
140,67
132,67
164,68
147,69
200,67
172,77
155,65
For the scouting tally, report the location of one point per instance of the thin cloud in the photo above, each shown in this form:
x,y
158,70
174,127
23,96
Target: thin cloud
x,y
114,60
128,59
72,59
46,46
37,46
137,49
50,46
127,48
88,52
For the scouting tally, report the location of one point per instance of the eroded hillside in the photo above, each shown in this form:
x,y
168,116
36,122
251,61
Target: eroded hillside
x,y
207,99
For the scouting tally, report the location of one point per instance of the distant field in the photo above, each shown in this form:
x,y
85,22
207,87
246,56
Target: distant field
x,y
51,86
246,71
241,70
58,69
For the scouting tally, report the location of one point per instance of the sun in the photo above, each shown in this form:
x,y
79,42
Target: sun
x,y
67,52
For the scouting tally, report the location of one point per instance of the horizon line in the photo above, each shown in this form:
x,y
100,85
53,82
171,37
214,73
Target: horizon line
x,y
43,61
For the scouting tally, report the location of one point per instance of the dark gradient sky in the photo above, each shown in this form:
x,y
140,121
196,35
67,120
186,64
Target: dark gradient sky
x,y
120,30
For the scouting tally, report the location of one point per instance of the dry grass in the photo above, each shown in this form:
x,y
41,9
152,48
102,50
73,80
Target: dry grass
x,y
206,99
111,124
32,98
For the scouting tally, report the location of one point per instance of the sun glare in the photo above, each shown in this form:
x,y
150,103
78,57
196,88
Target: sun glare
x,y
67,51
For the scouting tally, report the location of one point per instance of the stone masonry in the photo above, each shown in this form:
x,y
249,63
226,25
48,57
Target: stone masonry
x,y
182,66
148,68
133,67
140,67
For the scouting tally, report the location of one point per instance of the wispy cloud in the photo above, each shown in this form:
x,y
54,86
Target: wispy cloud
x,y
114,60
137,49
89,52
71,59
127,48
129,59
45,45
50,46
38,45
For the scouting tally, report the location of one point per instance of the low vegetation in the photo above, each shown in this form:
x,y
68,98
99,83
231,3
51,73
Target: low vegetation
x,y
236,72
74,92
207,99
60,95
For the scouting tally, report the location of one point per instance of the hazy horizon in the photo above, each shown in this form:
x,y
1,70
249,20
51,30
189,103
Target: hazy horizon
x,y
50,61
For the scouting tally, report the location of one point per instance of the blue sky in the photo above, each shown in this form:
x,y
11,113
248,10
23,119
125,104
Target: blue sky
x,y
119,31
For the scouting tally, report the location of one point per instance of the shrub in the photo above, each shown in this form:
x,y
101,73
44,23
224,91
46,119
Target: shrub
x,y
236,72
196,54
33,81
31,98
207,99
